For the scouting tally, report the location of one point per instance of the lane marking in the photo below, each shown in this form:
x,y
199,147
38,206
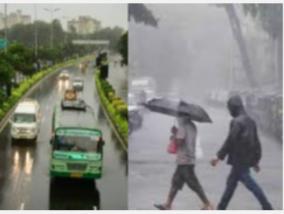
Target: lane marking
x,y
22,207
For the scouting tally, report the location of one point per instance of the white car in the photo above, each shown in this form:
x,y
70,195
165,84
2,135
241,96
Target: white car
x,y
25,121
78,84
64,75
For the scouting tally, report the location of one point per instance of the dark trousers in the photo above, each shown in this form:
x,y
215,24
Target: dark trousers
x,y
242,174
185,174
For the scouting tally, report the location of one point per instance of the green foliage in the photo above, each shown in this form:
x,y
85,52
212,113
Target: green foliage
x,y
24,33
117,112
6,70
21,58
123,48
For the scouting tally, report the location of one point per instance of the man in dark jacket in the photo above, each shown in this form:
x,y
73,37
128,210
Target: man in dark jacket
x,y
243,149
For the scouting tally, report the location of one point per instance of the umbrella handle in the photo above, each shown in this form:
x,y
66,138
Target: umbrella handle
x,y
174,123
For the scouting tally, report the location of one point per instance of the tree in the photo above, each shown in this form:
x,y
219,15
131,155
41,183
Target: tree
x,y
21,58
7,72
239,37
58,33
270,17
141,14
123,48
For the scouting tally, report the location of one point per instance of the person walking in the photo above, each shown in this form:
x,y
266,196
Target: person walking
x,y
243,149
185,139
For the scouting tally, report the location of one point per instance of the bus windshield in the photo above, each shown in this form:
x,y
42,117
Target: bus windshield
x,y
76,143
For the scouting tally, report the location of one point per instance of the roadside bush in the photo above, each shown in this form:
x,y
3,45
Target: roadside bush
x,y
115,106
110,95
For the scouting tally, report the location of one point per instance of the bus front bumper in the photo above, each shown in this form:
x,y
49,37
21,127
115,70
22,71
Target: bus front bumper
x,y
78,175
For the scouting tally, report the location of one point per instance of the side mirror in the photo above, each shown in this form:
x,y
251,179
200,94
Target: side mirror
x,y
51,141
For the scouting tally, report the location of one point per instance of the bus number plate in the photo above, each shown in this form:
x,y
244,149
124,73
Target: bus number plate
x,y
76,175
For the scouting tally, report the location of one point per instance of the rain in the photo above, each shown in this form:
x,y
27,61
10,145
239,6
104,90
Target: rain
x,y
204,54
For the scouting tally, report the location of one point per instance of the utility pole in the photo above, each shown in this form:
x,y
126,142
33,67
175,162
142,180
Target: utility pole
x,y
51,11
5,26
35,32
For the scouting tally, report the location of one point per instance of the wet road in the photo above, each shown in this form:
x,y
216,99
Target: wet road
x,y
151,167
24,178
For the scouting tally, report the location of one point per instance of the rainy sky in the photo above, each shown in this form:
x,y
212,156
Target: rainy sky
x,y
109,14
193,48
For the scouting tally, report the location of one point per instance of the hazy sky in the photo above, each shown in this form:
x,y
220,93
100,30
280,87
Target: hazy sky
x,y
109,14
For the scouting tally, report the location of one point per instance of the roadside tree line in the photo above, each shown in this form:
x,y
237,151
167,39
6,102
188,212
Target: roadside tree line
x,y
21,61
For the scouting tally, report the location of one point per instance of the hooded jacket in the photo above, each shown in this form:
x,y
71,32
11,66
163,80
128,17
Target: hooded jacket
x,y
242,145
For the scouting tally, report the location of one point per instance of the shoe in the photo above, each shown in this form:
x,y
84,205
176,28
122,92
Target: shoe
x,y
208,207
160,207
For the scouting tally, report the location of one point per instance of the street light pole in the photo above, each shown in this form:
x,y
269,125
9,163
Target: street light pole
x,y
51,11
65,32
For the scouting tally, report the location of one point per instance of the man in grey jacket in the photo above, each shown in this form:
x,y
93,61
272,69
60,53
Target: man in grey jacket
x,y
243,149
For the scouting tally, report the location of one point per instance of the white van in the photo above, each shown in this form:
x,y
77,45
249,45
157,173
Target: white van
x,y
143,88
25,121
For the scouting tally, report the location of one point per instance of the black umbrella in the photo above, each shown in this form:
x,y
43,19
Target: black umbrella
x,y
175,108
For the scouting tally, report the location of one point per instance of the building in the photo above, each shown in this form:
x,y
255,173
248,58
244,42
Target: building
x,y
14,18
83,25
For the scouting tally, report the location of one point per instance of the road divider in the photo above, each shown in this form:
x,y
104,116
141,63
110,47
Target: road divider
x,y
114,108
27,85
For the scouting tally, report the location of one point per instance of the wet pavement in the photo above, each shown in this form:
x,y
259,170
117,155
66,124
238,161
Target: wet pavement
x,y
151,167
24,166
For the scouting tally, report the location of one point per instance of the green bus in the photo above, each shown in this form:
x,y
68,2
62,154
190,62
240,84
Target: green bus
x,y
77,145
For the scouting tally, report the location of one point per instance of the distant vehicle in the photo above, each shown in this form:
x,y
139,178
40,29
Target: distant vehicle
x,y
25,121
70,94
78,84
83,67
143,88
77,145
134,113
135,120
218,97
64,75
77,104
133,102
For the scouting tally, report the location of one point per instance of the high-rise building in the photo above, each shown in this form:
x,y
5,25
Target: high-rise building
x,y
83,25
14,18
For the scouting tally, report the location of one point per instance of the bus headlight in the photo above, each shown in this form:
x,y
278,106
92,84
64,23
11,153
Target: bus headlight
x,y
58,167
93,168
33,130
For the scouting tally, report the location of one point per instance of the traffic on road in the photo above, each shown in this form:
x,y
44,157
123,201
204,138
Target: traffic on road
x,y
58,151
